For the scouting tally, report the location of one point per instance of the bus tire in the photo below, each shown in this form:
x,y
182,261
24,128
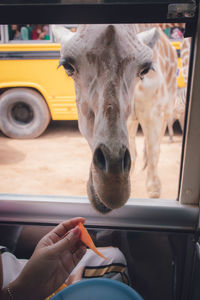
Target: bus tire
x,y
24,113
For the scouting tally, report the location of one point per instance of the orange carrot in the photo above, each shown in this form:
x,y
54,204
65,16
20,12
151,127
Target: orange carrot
x,y
86,239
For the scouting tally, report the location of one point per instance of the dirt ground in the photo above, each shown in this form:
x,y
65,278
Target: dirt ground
x,y
57,163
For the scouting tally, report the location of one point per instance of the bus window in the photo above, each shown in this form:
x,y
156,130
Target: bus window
x,y
0,34
28,32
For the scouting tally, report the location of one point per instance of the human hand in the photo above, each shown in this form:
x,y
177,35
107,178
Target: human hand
x,y
55,256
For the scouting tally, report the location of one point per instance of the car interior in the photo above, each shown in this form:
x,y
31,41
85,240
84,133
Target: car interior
x,y
160,238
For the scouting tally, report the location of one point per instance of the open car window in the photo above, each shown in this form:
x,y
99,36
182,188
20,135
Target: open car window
x,y
154,161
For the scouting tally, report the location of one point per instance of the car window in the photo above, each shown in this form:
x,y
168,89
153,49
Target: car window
x,y
55,158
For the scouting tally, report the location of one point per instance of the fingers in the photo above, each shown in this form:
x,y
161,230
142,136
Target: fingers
x,y
68,242
59,231
68,225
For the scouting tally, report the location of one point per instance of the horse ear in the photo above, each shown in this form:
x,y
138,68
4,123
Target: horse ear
x,y
61,34
149,37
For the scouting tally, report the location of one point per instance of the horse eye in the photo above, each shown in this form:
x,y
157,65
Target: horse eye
x,y
145,70
69,69
67,66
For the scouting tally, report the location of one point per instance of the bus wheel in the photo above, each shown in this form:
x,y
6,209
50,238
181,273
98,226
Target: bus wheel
x,y
23,113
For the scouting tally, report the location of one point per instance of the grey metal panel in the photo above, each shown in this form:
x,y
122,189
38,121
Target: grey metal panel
x,y
190,187
144,214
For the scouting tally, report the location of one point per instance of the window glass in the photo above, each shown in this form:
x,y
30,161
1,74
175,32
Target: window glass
x,y
56,159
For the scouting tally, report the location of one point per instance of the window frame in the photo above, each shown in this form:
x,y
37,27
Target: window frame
x,y
190,177
143,214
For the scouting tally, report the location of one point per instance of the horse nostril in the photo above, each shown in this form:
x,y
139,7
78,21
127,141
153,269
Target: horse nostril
x,y
120,163
99,159
127,161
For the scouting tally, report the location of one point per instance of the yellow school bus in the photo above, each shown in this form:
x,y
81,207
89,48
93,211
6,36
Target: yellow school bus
x,y
179,75
32,89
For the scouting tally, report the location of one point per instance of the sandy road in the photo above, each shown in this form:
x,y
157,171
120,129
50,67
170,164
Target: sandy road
x,y
57,163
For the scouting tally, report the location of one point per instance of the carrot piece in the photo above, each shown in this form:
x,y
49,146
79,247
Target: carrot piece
x,y
86,239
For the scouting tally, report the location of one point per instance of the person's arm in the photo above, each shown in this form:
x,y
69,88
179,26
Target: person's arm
x,y
54,258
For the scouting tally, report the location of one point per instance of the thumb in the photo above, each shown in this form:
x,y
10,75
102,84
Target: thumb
x,y
69,240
